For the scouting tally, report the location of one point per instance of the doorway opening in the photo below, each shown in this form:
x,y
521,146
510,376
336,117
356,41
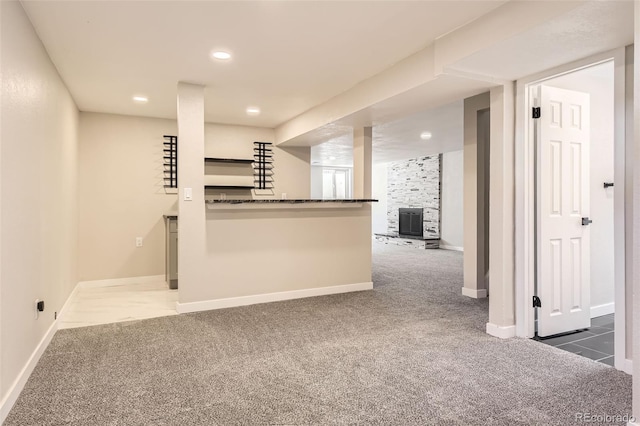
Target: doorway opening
x,y
574,153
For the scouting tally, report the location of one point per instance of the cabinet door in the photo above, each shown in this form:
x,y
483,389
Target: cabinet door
x,y
173,256
167,252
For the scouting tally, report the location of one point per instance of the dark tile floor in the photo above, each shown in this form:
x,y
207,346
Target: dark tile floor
x,y
595,343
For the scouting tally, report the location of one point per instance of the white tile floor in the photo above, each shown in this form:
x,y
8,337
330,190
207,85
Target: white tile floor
x,y
105,305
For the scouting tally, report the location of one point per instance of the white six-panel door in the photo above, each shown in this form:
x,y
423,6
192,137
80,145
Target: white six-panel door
x,y
563,281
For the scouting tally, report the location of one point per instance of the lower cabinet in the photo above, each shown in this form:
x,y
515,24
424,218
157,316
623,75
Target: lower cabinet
x,y
171,262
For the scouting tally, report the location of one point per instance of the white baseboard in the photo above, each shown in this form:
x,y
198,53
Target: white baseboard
x,y
122,281
475,293
501,332
207,305
18,384
600,310
455,248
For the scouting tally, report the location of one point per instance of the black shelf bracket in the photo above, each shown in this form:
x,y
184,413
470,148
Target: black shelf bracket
x,y
263,165
170,161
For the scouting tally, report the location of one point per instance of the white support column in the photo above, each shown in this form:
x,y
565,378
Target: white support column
x,y
191,214
474,260
502,213
362,138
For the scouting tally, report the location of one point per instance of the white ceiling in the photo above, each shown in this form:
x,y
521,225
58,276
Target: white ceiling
x,y
592,27
400,139
288,56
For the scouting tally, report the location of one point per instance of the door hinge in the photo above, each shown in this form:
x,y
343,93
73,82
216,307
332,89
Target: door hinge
x,y
536,302
535,112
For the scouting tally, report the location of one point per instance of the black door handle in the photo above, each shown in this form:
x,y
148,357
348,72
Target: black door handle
x,y
586,221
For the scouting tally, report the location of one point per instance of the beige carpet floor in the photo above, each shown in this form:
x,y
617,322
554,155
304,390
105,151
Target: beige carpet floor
x,y
411,352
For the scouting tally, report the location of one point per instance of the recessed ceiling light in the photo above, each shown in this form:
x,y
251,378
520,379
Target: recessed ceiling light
x,y
253,111
332,158
141,99
219,54
425,136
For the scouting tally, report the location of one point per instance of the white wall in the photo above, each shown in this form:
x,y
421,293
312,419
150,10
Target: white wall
x,y
452,206
379,192
598,82
291,165
38,172
121,196
474,214
121,177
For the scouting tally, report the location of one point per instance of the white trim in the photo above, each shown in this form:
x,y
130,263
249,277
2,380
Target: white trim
x,y
501,332
17,386
122,281
480,293
621,209
207,305
600,310
454,248
525,196
627,366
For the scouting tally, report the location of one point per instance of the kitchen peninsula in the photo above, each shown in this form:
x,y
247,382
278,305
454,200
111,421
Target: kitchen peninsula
x,y
241,244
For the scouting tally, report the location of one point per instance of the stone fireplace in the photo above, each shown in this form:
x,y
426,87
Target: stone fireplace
x,y
414,184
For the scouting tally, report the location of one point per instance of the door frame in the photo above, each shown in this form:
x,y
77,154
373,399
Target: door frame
x,y
525,231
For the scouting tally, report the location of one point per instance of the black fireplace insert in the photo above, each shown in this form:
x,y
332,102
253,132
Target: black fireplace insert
x,y
410,222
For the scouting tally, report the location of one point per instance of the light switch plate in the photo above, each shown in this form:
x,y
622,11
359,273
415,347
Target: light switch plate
x,y
188,194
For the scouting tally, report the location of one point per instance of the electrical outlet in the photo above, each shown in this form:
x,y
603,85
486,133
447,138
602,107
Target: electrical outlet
x,y
138,241
283,196
37,309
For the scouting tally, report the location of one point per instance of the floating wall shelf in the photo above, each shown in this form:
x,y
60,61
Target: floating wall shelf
x,y
241,178
227,160
259,176
227,187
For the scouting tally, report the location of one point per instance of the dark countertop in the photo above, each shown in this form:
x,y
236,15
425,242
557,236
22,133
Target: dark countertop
x,y
290,201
